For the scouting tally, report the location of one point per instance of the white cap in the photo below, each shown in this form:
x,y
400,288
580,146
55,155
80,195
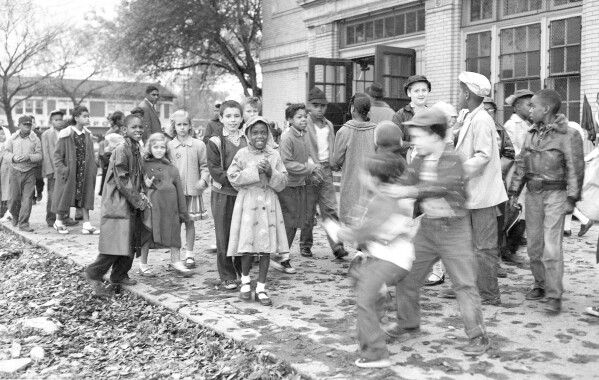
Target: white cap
x,y
477,83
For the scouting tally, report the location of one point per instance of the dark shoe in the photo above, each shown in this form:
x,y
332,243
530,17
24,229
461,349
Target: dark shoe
x,y
306,252
124,281
374,363
535,294
585,228
477,346
26,229
39,198
230,284
523,242
69,222
449,293
263,301
283,266
568,233
553,306
501,272
394,331
340,253
434,279
493,302
97,286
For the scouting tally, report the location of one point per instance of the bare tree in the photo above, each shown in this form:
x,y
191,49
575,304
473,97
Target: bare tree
x,y
24,47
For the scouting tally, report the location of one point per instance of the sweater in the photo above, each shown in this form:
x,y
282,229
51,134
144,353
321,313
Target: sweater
x,y
295,153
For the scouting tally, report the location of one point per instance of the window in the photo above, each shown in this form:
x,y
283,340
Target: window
x,y
331,80
29,107
19,108
558,3
478,53
520,52
512,7
363,74
481,10
487,11
39,107
564,64
384,26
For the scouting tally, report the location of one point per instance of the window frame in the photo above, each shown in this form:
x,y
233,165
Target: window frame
x,y
498,15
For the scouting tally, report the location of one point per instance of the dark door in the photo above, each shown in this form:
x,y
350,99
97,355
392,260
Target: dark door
x,y
334,77
392,66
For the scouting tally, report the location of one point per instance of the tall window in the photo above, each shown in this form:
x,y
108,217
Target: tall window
x,y
478,53
564,64
481,10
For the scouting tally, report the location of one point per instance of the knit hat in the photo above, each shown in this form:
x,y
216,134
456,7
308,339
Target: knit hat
x,y
316,95
376,90
414,79
387,133
477,83
26,120
511,100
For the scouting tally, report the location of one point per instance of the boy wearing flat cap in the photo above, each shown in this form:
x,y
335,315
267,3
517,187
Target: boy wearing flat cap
x,y
24,150
477,144
379,110
417,88
551,165
519,123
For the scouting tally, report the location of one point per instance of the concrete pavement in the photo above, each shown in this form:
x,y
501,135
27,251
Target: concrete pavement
x,y
312,322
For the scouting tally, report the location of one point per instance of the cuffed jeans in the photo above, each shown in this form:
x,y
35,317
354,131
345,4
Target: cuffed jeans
x,y
222,211
325,197
373,274
486,250
50,216
545,213
22,188
121,265
449,239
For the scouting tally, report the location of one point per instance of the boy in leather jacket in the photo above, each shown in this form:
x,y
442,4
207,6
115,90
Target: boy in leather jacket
x,y
551,165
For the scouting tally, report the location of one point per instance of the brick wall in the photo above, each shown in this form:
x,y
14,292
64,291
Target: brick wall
x,y
589,60
442,49
286,84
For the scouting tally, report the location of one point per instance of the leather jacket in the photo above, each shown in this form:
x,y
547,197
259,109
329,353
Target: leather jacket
x,y
553,155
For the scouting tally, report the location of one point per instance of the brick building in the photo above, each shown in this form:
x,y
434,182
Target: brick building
x,y
344,45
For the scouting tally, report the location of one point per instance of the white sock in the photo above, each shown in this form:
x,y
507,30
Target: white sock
x,y
188,254
246,279
580,216
260,287
59,223
87,225
568,223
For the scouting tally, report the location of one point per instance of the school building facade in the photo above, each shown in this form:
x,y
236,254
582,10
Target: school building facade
x,y
342,46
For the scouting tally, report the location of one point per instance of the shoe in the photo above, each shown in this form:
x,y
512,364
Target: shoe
x,y
212,249
553,305
477,346
568,233
394,331
146,272
585,228
434,279
376,363
181,269
6,217
592,310
306,252
90,231
263,301
39,198
124,281
535,294
449,293
60,229
230,284
283,266
97,286
68,222
340,253
492,302
523,242
246,292
14,222
501,272
26,229
190,262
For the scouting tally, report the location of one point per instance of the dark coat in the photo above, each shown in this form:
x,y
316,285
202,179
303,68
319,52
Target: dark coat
x,y
121,202
65,162
151,120
169,208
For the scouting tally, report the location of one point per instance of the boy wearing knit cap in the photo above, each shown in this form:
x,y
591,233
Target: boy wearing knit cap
x,y
321,141
477,145
417,87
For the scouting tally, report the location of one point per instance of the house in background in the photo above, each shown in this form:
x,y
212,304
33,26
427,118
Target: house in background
x,y
343,46
102,98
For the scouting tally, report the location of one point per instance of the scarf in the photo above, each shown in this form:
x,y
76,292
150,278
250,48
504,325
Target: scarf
x,y
233,137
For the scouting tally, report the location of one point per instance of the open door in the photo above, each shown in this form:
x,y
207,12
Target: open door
x,y
334,77
392,67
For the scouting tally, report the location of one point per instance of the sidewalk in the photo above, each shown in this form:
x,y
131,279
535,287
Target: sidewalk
x,y
312,322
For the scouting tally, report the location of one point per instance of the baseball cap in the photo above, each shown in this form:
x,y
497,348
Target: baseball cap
x,y
26,120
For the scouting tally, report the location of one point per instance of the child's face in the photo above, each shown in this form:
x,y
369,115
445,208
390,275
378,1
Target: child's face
x,y
182,126
231,118
56,121
537,109
2,136
249,111
523,106
423,141
317,109
83,119
135,129
418,92
299,120
158,149
259,135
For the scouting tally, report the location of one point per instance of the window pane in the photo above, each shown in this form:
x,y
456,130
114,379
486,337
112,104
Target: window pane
x,y
534,37
359,33
369,30
561,86
411,22
485,44
484,67
521,40
28,106
507,41
341,94
421,20
574,88
329,74
39,107
557,60
389,27
472,46
573,59
487,9
573,30
400,25
558,35
534,64
340,75
520,65
507,66
378,29
475,10
350,37
318,73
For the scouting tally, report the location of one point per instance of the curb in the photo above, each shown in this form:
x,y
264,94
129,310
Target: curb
x,y
173,303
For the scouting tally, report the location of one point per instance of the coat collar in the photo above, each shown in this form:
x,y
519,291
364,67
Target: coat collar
x,y
560,125
468,123
67,131
187,142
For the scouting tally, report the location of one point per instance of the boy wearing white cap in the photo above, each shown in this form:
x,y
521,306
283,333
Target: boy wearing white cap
x,y
477,144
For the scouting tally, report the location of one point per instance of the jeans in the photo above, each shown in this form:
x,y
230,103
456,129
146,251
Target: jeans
x,y
121,265
545,213
325,197
222,212
451,240
486,250
50,216
373,274
22,187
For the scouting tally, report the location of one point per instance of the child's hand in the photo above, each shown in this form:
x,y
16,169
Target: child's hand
x,y
148,181
266,167
202,185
